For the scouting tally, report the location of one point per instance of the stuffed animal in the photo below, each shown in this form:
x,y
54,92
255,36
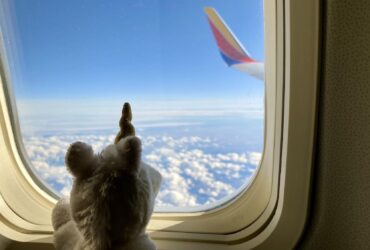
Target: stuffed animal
x,y
112,197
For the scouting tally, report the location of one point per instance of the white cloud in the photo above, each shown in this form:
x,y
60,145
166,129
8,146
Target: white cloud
x,y
45,115
194,171
255,158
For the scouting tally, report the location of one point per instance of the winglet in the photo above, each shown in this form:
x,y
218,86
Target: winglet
x,y
230,48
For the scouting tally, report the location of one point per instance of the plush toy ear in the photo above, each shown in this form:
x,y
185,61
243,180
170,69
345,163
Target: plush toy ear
x,y
130,151
79,159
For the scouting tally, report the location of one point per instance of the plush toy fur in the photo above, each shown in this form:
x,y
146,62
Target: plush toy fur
x,y
112,197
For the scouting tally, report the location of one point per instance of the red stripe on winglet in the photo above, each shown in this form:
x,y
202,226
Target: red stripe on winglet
x,y
226,47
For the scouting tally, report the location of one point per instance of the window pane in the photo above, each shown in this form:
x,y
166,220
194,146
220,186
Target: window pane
x,y
197,95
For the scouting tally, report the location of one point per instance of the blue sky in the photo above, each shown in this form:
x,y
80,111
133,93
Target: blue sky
x,y
131,50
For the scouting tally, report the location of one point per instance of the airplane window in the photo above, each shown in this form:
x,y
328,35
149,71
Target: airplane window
x,y
192,70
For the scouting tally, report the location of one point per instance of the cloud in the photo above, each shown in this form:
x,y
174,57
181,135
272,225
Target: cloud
x,y
55,115
195,171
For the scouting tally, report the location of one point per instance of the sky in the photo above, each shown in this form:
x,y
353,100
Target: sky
x,y
132,49
73,64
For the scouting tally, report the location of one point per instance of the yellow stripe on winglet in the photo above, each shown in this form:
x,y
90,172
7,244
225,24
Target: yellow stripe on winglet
x,y
222,27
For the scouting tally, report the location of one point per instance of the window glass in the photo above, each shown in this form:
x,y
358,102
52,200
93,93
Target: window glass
x,y
197,94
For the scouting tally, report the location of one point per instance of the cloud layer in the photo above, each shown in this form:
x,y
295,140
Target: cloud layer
x,y
195,171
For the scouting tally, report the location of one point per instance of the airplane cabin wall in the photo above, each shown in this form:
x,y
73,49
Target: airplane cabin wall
x,y
340,207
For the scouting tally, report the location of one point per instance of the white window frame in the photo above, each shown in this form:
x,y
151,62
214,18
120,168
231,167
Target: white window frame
x,y
271,210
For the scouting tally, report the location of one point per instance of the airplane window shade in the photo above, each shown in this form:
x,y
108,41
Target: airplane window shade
x,y
192,71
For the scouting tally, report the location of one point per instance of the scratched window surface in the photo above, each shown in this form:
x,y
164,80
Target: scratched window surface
x,y
192,71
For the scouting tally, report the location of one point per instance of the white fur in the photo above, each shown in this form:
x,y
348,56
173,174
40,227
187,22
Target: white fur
x,y
85,221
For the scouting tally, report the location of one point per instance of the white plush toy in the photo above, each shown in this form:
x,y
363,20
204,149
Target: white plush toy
x,y
112,197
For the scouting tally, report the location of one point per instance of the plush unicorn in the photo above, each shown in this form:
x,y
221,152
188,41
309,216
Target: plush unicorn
x,y
112,197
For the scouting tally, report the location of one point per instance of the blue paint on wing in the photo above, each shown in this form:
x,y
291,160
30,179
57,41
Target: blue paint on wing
x,y
229,61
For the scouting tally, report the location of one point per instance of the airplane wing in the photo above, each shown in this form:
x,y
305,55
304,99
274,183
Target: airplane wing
x,y
232,51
